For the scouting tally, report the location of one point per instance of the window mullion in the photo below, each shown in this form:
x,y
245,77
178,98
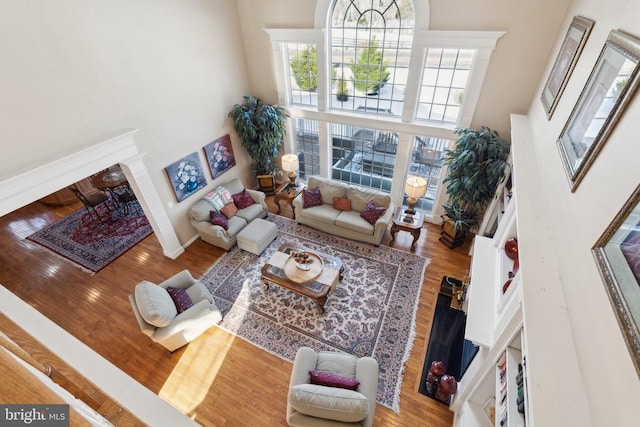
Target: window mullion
x,y
414,79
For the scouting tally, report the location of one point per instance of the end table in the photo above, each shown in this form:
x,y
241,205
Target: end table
x,y
288,192
409,223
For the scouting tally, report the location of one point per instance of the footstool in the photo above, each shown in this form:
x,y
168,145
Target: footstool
x,y
257,235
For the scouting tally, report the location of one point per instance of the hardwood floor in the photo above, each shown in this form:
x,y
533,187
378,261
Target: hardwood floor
x,y
218,379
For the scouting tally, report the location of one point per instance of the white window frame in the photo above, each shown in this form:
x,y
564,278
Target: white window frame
x,y
407,127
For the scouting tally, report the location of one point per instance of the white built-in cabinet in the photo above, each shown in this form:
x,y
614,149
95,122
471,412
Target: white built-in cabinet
x,y
525,328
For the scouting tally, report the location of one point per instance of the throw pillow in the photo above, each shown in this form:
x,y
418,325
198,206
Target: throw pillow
x,y
372,212
311,198
337,404
341,204
219,197
242,199
154,304
229,210
180,298
332,380
217,218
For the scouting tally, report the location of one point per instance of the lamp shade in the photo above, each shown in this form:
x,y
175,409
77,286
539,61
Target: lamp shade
x,y
416,187
290,163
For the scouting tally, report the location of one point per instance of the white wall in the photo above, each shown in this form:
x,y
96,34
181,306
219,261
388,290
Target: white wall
x,y
73,73
577,220
516,64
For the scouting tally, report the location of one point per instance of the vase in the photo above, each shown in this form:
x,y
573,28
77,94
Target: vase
x,y
511,248
191,185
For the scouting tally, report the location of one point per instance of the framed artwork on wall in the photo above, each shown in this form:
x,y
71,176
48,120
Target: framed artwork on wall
x,y
617,254
219,155
186,176
572,45
610,88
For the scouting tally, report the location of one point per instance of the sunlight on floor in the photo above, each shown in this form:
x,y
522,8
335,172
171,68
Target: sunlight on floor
x,y
195,372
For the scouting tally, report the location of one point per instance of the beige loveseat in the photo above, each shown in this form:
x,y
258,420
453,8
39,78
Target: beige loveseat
x,y
199,215
344,223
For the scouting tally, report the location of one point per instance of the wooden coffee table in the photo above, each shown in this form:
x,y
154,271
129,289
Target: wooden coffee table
x,y
314,284
410,223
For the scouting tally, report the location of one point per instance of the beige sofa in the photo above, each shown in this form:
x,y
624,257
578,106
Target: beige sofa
x,y
344,223
199,215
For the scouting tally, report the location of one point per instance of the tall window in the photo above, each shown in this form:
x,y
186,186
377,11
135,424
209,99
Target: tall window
x,y
445,77
373,98
370,52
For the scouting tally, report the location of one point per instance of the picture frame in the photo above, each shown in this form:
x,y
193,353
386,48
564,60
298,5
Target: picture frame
x,y
565,62
186,176
617,255
609,89
219,154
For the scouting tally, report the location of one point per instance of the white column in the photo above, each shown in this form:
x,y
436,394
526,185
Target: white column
x,y
140,181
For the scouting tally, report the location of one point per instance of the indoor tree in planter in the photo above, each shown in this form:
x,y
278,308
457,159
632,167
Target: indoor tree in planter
x,y
476,165
262,128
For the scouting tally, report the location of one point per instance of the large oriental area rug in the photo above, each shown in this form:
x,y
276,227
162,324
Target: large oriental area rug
x,y
81,239
371,312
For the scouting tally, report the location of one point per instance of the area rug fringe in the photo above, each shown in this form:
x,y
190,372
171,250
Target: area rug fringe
x,y
372,312
67,261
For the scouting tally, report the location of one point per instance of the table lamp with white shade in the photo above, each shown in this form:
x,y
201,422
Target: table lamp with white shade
x,y
290,164
415,188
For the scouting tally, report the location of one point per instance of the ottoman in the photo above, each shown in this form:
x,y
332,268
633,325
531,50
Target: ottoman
x,y
257,235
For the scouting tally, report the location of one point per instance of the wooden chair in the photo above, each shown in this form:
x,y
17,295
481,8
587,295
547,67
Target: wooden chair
x,y
92,201
267,184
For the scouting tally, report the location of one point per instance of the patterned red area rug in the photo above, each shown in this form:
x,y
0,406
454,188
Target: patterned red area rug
x,y
90,244
371,312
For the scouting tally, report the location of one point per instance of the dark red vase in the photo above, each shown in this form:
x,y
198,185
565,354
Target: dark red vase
x,y
511,248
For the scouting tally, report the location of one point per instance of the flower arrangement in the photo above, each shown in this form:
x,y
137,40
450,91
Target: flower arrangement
x,y
187,176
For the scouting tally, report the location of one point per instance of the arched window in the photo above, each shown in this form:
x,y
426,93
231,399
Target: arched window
x,y
375,96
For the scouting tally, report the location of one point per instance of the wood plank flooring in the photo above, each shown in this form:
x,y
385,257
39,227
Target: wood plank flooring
x,y
218,379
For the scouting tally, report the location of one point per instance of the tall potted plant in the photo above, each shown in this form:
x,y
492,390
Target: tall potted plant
x,y
476,166
261,127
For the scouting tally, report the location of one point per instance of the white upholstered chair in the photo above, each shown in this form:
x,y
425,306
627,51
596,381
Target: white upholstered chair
x,y
319,405
159,315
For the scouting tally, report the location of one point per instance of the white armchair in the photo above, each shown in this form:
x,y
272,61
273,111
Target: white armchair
x,y
322,406
160,318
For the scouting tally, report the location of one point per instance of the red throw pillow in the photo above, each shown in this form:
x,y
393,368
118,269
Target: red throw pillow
x,y
341,204
372,212
180,298
242,199
218,219
229,210
332,380
311,197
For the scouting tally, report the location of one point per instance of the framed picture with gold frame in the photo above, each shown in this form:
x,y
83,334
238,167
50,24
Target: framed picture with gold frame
x,y
610,88
565,62
617,254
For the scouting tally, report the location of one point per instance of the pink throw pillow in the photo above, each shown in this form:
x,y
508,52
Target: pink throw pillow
x,y
218,219
242,199
333,380
180,298
229,210
372,212
311,198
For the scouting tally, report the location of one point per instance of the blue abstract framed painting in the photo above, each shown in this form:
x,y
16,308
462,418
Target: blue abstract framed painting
x,y
219,155
186,176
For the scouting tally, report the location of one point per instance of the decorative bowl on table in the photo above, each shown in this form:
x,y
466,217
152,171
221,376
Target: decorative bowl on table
x,y
303,260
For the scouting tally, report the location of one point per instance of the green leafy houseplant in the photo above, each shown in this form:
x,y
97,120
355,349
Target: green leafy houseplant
x,y
261,127
476,166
